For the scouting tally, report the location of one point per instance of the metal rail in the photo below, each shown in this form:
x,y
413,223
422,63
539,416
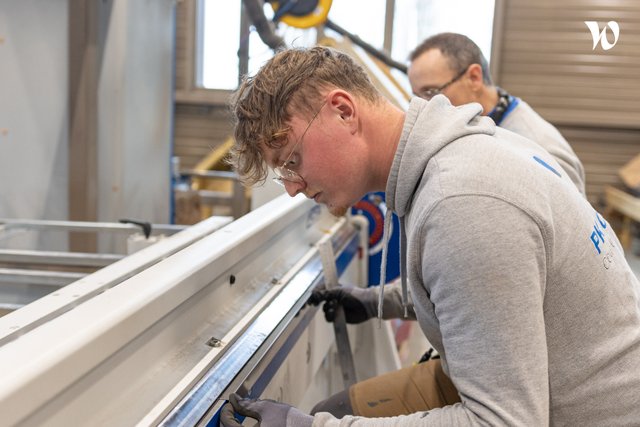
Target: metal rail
x,y
88,226
281,317
129,353
43,310
80,259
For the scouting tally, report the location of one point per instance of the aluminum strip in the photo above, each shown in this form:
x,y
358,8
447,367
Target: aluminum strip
x,y
20,256
38,277
246,352
256,383
12,223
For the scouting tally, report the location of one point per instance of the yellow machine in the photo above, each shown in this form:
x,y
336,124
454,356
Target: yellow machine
x,y
313,13
301,13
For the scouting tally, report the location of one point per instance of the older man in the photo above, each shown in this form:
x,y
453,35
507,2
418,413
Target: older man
x,y
452,64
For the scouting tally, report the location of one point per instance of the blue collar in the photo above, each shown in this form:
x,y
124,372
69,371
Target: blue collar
x,y
506,104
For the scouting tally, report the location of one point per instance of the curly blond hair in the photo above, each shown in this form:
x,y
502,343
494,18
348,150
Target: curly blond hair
x,y
292,81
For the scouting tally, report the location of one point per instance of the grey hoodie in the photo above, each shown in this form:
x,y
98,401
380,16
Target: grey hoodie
x,y
515,279
524,121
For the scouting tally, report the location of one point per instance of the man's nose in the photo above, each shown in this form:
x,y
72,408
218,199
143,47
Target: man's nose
x,y
293,188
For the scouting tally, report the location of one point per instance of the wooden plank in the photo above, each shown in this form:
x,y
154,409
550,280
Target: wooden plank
x,y
623,202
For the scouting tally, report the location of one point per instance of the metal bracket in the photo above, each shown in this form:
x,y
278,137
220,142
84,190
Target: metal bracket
x,y
345,356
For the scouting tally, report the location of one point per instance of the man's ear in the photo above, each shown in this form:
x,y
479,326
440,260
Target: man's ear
x,y
343,104
475,76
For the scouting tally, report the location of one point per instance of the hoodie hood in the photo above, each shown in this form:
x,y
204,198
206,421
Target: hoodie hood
x,y
441,124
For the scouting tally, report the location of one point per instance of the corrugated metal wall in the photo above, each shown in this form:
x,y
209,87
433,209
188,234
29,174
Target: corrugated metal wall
x,y
543,53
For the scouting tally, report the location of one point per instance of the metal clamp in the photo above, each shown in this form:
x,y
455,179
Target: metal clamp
x,y
345,356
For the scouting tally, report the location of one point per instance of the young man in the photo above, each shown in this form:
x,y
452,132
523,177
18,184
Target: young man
x,y
517,282
452,64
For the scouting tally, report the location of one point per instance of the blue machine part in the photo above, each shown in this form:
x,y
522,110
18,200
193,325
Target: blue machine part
x,y
374,207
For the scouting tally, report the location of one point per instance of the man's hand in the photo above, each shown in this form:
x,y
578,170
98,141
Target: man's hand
x,y
359,304
269,413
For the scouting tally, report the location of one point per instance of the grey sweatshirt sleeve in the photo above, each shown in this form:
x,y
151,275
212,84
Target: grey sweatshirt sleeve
x,y
483,265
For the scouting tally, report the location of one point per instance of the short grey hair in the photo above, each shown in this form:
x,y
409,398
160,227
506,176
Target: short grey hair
x,y
459,50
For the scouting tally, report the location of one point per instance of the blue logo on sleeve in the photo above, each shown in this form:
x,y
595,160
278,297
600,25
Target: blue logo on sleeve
x,y
546,165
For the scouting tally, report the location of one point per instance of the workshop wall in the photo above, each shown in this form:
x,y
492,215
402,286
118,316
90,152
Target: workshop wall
x,y
544,53
33,111
86,111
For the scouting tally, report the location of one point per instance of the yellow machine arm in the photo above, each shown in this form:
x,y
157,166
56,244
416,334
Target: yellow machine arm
x,y
301,13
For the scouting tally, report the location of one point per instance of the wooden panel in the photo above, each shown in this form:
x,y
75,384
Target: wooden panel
x,y
628,206
623,202
198,130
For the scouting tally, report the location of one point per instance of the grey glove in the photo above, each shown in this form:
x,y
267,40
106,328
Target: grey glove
x,y
269,413
359,304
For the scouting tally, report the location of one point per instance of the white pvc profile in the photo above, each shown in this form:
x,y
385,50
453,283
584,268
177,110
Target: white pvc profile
x,y
114,356
48,307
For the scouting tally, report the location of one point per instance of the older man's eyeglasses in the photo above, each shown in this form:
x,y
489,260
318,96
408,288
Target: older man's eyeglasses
x,y
431,92
286,172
